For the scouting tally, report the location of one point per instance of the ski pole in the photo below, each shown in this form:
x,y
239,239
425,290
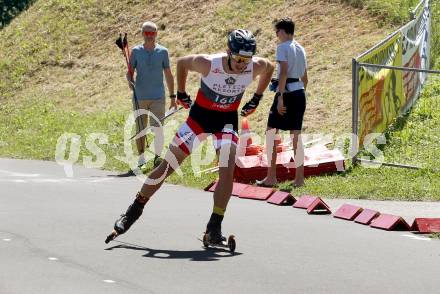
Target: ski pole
x,y
122,43
161,120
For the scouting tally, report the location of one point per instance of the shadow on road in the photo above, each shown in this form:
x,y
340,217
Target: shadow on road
x,y
206,254
130,173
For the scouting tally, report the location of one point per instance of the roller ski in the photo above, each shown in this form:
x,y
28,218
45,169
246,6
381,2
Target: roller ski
x,y
126,220
219,242
213,235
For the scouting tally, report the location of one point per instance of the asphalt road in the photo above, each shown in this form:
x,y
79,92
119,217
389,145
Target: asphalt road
x,y
52,231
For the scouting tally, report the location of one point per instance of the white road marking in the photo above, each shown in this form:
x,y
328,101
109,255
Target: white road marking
x,y
14,174
109,281
7,240
414,237
101,180
58,180
162,255
53,258
52,181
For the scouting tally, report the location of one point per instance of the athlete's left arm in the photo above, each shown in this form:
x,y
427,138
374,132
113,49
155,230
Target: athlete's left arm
x,y
264,69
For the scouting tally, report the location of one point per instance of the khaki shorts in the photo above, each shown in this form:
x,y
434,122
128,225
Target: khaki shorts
x,y
156,107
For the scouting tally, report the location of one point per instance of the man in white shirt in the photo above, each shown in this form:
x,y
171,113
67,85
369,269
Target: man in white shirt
x,y
287,111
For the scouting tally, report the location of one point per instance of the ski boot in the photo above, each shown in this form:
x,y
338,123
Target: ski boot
x,y
213,236
124,222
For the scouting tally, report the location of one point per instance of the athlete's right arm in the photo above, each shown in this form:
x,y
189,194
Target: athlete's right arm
x,y
198,63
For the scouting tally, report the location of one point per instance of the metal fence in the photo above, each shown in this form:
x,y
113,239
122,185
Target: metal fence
x,y
358,64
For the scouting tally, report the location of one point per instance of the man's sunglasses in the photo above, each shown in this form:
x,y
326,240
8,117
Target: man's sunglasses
x,y
150,34
241,59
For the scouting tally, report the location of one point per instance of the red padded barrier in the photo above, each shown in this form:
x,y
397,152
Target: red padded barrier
x,y
313,204
305,201
281,198
237,188
211,187
390,223
258,193
318,206
348,212
317,161
426,225
366,216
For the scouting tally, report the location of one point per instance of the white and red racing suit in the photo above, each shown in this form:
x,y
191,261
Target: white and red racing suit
x,y
214,111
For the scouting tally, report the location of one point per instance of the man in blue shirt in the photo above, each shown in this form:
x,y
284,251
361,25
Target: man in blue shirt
x,y
150,61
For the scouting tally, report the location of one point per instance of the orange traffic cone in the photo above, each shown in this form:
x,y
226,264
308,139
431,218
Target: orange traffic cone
x,y
246,146
245,131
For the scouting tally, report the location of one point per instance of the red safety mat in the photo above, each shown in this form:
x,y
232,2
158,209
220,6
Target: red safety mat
x,y
318,160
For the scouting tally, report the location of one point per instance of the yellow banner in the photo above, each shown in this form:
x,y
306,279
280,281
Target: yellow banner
x,y
381,97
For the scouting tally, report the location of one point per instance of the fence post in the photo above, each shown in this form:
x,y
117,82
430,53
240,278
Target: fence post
x,y
413,13
355,110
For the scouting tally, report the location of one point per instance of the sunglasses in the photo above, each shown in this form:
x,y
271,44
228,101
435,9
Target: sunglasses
x,y
150,34
241,59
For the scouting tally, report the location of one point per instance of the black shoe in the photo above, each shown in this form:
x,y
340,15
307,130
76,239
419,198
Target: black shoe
x,y
214,229
130,173
133,212
216,237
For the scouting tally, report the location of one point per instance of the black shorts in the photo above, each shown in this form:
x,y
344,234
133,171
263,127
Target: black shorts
x,y
223,126
213,121
295,103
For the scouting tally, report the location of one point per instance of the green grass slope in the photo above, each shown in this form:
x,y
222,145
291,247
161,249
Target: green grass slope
x,y
61,72
412,140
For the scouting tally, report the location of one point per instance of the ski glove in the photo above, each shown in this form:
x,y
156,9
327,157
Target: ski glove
x,y
184,99
251,105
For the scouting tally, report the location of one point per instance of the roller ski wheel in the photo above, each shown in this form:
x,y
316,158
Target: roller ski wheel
x,y
230,243
111,237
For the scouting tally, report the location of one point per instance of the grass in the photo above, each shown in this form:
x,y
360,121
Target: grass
x,y
31,130
67,76
68,55
10,9
435,236
394,11
35,126
397,11
413,140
